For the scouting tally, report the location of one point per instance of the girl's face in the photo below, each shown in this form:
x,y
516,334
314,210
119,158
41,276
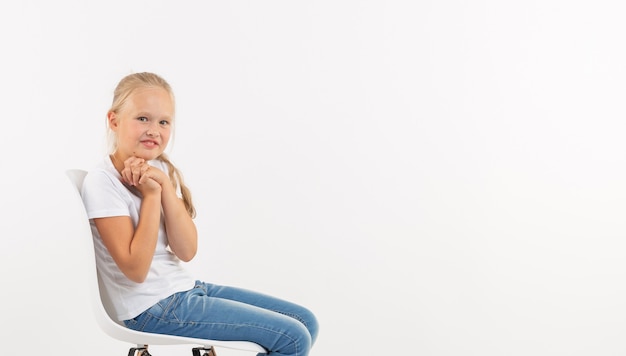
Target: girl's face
x,y
143,124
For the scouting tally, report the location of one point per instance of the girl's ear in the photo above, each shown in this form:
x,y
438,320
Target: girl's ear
x,y
113,120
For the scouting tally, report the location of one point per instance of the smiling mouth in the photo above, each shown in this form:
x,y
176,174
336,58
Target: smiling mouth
x,y
149,143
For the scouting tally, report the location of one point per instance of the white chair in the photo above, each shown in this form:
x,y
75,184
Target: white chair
x,y
102,305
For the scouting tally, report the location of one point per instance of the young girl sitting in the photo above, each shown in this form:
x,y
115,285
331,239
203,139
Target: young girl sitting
x,y
141,215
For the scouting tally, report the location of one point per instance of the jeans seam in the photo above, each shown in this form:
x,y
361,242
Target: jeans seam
x,y
293,316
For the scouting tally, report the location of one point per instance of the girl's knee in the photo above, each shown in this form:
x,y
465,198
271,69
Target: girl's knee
x,y
312,325
294,340
308,320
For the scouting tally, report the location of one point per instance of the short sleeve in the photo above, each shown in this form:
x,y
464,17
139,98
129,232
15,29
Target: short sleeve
x,y
104,195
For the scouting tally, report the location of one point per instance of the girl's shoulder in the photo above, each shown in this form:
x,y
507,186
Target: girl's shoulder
x,y
102,176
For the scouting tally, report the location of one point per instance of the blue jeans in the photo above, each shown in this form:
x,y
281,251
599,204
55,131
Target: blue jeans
x,y
210,311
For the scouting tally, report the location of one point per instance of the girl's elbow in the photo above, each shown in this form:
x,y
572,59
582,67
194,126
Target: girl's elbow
x,y
136,276
138,279
188,256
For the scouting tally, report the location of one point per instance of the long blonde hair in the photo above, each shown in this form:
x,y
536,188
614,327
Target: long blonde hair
x,y
121,93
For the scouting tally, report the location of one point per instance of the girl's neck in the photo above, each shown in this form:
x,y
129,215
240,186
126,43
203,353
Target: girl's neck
x,y
117,162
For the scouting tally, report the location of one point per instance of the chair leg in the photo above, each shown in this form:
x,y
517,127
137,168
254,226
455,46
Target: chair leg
x,y
197,351
143,351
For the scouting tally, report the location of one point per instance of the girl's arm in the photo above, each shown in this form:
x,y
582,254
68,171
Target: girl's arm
x,y
179,227
132,248
181,230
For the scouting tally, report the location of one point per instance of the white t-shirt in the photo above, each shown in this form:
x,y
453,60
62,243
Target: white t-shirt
x,y
104,195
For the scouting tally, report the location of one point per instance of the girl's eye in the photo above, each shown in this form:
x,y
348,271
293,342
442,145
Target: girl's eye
x,y
164,122
142,118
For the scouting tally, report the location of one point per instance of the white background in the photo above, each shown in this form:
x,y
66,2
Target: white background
x,y
430,177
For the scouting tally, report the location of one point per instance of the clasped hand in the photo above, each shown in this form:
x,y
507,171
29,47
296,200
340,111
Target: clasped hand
x,y
138,173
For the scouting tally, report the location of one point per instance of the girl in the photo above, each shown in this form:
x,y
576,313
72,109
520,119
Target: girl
x,y
141,216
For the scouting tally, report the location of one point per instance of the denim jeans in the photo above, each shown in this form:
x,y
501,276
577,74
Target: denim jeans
x,y
216,312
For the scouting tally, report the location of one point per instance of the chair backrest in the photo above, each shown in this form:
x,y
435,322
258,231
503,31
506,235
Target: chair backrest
x,y
76,176
100,300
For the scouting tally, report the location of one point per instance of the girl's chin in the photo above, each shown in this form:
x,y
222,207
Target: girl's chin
x,y
146,156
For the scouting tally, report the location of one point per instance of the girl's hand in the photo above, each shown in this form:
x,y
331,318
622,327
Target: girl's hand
x,y
147,179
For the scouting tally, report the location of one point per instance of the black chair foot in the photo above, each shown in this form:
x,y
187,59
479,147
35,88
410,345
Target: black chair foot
x,y
198,351
143,351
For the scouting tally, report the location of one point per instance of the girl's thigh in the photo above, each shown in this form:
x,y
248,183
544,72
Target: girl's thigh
x,y
263,301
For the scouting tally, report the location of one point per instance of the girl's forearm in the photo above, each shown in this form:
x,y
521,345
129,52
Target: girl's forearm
x,y
181,230
143,243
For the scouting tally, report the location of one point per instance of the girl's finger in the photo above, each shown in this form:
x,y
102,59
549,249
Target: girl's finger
x,y
136,174
125,175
